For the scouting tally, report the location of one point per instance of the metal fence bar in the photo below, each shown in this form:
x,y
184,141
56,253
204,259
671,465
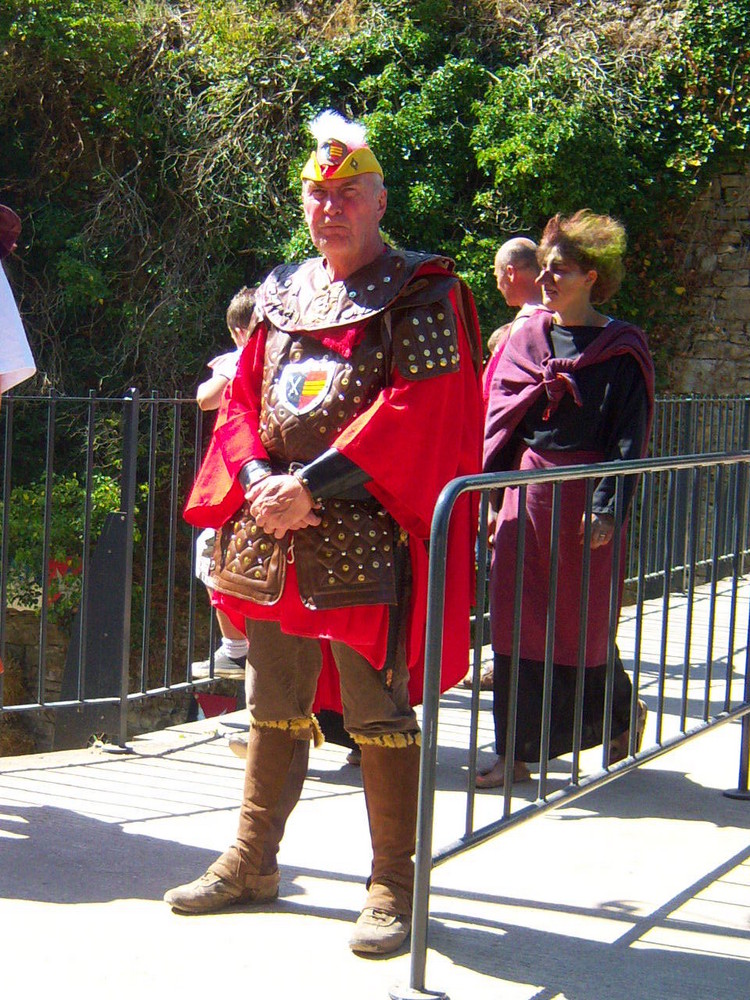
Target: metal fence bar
x,y
583,624
549,642
127,503
479,623
172,550
7,466
510,739
148,548
692,532
436,598
49,462
85,554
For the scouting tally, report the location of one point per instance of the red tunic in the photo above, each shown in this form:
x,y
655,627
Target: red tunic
x,y
412,440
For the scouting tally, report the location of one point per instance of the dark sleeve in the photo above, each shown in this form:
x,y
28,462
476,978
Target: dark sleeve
x,y
628,416
334,475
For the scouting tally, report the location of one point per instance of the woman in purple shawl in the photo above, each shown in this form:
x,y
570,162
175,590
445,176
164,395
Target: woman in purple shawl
x,y
571,388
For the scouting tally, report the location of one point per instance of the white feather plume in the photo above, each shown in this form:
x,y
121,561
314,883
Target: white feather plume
x,y
331,125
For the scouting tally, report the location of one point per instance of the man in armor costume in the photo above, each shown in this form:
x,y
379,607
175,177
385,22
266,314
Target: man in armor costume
x,y
356,400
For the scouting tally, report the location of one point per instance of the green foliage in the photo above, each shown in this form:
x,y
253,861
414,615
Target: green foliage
x,y
153,148
26,534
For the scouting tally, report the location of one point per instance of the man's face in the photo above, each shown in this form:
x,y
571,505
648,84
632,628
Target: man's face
x,y
343,216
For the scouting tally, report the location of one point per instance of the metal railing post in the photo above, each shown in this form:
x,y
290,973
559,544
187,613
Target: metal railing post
x,y
127,505
741,791
428,759
6,488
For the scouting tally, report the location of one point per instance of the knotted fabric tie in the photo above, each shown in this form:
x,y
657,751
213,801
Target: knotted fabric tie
x,y
557,380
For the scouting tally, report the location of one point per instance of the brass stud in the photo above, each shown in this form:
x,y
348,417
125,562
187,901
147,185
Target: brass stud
x,y
361,577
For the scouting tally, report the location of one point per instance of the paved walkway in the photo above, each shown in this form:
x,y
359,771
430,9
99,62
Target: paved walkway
x,y
639,891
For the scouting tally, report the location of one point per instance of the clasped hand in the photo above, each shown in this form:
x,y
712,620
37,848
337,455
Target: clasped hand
x,y
280,504
602,529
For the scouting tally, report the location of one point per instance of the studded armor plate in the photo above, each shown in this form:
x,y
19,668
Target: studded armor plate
x,y
310,394
425,340
348,558
247,562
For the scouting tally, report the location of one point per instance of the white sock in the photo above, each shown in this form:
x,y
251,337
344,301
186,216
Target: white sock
x,y
235,649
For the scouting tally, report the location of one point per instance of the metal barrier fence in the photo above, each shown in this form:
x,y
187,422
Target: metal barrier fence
x,y
92,538
687,426
723,683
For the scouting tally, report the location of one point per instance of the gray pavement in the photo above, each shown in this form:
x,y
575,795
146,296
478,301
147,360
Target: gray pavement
x,y
638,891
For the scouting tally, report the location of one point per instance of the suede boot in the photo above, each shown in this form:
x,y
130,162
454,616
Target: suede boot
x,y
274,775
391,781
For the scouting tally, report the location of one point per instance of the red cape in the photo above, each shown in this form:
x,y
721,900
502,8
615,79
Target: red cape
x,y
411,441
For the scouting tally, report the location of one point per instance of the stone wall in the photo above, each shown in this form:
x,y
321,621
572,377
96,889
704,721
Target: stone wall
x,y
21,686
715,240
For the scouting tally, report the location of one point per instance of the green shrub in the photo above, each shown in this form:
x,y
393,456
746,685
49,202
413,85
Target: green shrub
x,y
153,149
26,532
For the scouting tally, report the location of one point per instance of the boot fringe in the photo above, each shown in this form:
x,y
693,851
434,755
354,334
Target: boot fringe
x,y
395,741
303,728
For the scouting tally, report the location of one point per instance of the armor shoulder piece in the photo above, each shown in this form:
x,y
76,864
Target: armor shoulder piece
x,y
425,339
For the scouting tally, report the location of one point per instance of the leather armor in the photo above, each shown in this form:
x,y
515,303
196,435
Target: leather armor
x,y
311,393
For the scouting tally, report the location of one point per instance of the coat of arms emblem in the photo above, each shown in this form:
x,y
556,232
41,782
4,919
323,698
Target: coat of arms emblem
x,y
304,385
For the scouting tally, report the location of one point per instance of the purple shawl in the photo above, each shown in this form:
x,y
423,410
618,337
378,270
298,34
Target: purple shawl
x,y
527,368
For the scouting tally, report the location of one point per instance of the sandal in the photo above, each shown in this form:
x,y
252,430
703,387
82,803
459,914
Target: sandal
x,y
620,745
495,776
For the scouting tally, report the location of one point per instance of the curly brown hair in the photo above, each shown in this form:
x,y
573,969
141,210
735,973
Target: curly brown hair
x,y
593,243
